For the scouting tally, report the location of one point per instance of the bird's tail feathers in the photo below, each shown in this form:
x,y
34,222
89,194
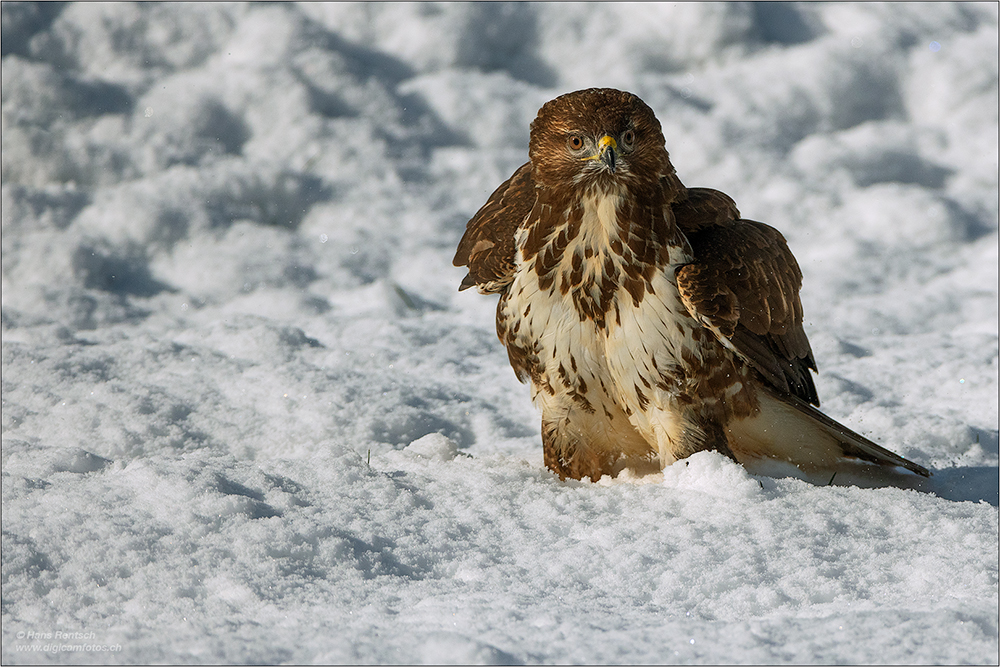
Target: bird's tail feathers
x,y
787,428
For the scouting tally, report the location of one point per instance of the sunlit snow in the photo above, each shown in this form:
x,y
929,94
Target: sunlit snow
x,y
248,417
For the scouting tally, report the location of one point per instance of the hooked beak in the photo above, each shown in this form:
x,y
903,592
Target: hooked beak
x,y
606,148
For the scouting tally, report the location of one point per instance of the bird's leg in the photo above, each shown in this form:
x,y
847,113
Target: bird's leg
x,y
694,433
567,456
715,438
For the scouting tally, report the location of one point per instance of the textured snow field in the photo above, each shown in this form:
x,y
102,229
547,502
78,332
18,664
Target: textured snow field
x,y
247,416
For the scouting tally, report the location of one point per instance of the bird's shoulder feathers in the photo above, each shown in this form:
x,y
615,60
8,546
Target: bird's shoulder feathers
x,y
744,286
488,247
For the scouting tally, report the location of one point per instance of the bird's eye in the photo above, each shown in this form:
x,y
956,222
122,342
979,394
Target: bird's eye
x,y
628,138
575,143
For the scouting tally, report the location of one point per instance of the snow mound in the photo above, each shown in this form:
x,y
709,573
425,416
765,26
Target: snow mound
x,y
713,474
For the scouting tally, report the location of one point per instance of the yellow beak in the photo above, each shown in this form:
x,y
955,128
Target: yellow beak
x,y
606,148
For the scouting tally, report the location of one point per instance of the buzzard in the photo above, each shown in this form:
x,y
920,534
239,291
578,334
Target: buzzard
x,y
651,320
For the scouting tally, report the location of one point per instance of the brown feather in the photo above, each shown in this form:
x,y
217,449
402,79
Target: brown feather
x,y
487,247
745,282
703,207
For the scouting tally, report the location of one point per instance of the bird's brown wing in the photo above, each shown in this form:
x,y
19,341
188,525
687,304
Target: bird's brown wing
x,y
744,286
698,208
487,247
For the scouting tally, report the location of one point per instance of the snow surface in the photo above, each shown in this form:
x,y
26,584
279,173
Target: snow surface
x,y
247,417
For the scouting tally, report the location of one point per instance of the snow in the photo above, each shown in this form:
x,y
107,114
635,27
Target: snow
x,y
248,417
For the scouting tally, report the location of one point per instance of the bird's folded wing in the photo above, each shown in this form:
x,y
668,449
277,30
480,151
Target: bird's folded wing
x,y
487,247
744,286
698,208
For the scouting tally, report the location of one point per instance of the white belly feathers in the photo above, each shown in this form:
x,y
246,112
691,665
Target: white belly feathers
x,y
622,362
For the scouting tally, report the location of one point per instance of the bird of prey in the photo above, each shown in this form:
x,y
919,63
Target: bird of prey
x,y
651,320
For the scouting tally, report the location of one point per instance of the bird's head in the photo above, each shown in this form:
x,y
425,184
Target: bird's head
x,y
597,138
